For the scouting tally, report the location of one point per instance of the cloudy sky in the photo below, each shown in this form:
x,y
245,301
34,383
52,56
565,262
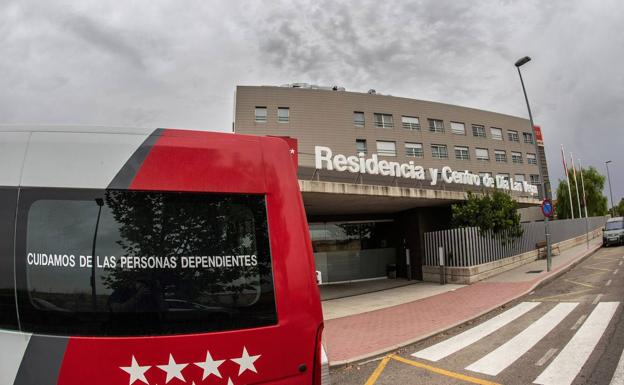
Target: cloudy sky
x,y
176,63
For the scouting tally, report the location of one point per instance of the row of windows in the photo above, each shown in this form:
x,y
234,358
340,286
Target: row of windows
x,y
382,120
440,151
261,114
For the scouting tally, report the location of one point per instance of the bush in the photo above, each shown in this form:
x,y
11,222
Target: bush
x,y
495,213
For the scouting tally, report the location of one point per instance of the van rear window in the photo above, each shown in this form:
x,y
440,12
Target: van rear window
x,y
123,263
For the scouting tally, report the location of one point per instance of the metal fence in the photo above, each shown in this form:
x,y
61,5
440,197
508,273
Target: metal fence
x,y
467,247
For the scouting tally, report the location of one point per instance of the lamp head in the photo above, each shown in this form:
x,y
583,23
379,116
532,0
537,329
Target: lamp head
x,y
522,61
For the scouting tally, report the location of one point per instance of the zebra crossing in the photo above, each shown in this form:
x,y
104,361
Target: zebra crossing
x,y
565,365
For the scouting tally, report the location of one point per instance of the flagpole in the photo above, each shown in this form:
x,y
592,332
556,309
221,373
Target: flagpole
x,y
578,196
584,203
565,167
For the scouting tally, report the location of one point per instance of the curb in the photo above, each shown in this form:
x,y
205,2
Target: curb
x,y
540,282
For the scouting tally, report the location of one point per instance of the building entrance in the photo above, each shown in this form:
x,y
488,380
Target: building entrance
x,y
351,251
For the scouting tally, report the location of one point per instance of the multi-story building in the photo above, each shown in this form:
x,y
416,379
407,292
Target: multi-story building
x,y
376,171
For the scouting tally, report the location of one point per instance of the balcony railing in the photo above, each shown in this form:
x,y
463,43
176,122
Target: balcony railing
x,y
384,124
411,126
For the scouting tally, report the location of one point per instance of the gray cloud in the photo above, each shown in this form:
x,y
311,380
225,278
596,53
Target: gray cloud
x,y
176,64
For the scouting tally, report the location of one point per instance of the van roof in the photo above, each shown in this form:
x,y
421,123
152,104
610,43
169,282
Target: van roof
x,y
107,157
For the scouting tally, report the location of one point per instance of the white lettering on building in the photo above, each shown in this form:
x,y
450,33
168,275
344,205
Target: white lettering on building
x,y
325,159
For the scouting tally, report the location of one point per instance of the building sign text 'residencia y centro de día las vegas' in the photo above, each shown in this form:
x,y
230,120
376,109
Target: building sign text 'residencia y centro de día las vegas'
x,y
325,159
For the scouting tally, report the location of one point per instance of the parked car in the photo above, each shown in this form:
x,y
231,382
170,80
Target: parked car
x,y
613,232
153,257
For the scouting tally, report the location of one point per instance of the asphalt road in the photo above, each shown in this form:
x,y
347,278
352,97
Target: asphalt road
x,y
570,331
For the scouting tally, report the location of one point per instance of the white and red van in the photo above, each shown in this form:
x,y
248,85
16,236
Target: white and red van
x,y
153,257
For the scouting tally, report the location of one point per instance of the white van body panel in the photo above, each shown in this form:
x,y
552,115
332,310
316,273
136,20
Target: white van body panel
x,y
77,160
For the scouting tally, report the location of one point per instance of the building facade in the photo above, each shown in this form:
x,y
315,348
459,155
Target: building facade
x,y
377,171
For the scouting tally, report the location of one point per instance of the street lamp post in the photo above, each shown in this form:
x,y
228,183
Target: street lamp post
x,y
520,62
610,192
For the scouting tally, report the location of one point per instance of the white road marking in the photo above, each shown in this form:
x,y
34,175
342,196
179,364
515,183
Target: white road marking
x,y
620,264
608,283
618,376
616,271
569,362
506,354
595,301
445,348
578,322
547,356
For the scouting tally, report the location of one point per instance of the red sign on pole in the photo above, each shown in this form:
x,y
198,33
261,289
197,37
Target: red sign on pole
x,y
538,135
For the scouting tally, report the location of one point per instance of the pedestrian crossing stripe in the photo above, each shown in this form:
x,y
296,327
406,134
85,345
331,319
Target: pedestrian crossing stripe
x,y
460,341
509,352
569,362
565,366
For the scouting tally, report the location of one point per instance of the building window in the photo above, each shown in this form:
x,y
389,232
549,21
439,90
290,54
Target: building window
x,y
516,157
535,179
436,125
531,159
528,137
478,130
283,114
505,176
519,177
439,151
461,153
513,136
497,133
414,150
500,156
384,120
358,119
385,148
261,114
410,122
360,146
482,154
483,174
458,128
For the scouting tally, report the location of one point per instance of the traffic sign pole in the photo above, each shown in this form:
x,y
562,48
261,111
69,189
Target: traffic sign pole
x,y
548,248
548,210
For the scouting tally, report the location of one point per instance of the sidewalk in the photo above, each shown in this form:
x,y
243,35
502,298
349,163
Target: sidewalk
x,y
390,323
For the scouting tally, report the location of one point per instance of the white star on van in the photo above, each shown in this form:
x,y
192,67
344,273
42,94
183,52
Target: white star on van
x,y
210,366
173,369
246,362
136,372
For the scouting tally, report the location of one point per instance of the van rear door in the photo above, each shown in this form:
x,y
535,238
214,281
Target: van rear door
x,y
200,270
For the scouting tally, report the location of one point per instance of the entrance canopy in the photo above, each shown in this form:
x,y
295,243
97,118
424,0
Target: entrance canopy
x,y
331,198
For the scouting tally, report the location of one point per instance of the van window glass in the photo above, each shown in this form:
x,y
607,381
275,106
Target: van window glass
x,y
615,225
165,263
8,202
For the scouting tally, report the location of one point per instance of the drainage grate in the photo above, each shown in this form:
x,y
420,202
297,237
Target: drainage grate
x,y
534,271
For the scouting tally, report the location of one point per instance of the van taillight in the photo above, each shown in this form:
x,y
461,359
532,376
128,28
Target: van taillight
x,y
321,363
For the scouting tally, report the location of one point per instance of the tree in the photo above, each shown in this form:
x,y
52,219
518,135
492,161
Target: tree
x,y
596,202
619,209
495,213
